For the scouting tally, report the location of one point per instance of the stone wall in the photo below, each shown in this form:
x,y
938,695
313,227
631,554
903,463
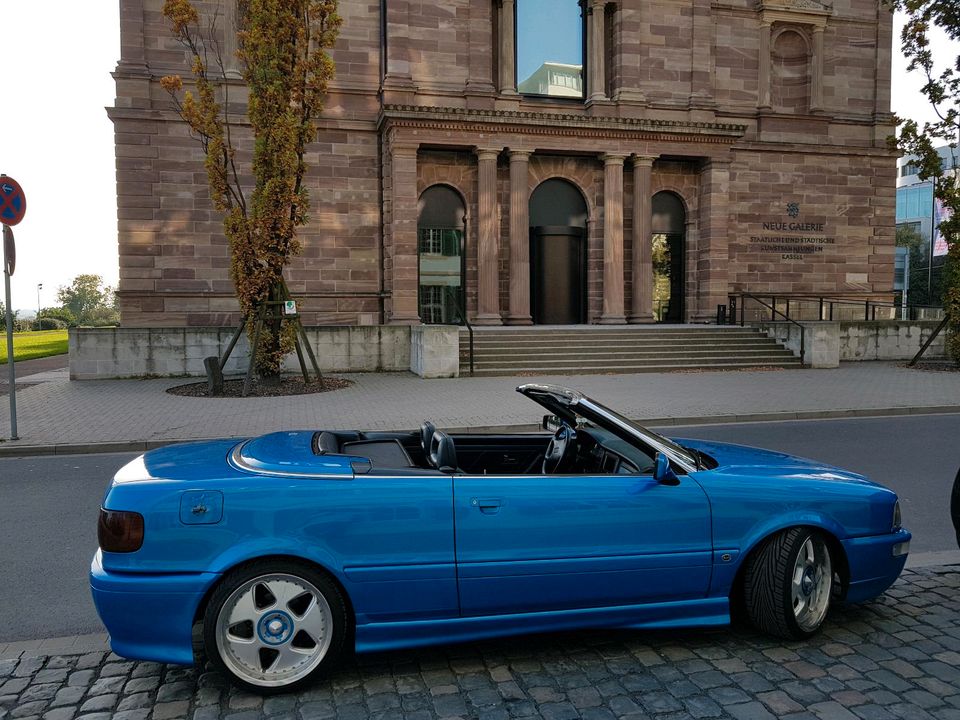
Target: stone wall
x,y
889,340
98,353
827,344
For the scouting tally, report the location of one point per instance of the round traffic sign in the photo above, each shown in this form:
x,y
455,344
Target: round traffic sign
x,y
13,203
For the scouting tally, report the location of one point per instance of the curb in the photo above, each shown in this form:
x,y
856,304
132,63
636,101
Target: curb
x,y
144,445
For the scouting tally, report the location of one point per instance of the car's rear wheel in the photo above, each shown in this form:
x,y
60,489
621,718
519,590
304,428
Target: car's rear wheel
x,y
955,506
788,583
274,625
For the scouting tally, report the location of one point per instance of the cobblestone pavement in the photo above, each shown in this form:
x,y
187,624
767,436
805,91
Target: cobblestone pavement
x,y
62,412
897,657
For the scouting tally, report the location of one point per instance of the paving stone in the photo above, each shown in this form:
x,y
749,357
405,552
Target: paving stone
x,y
81,678
135,702
27,709
170,710
99,703
60,713
39,692
90,660
559,711
750,711
141,714
69,695
110,685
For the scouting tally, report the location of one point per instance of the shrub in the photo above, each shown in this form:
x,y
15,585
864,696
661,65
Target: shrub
x,y
49,323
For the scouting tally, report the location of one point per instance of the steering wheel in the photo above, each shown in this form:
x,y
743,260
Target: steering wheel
x,y
560,451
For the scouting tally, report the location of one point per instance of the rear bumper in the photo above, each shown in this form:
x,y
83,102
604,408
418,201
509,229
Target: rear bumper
x,y
149,617
874,566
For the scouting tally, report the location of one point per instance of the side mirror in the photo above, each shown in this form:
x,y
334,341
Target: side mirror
x,y
550,422
662,472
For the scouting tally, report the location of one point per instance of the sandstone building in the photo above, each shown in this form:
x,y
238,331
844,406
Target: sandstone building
x,y
540,162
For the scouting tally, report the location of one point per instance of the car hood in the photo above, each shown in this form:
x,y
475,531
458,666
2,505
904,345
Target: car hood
x,y
743,459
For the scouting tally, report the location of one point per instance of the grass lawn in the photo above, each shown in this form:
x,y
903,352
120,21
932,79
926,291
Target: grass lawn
x,y
32,345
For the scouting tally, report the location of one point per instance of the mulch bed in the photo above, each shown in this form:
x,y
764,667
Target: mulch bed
x,y
935,365
286,386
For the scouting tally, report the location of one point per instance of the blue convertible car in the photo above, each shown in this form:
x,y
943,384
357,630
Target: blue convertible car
x,y
275,554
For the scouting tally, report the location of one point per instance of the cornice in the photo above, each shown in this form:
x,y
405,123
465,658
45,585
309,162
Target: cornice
x,y
543,123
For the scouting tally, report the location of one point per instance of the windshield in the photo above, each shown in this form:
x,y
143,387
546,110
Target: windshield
x,y
653,439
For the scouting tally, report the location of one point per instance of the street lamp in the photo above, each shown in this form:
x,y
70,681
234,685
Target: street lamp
x,y
39,288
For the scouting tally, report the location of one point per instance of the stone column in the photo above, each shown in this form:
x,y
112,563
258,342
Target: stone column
x,y
398,87
641,307
702,52
480,68
763,98
231,63
508,40
519,239
816,71
488,260
402,246
133,75
613,240
713,239
597,51
132,55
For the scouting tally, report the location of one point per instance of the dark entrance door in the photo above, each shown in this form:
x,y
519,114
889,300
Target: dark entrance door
x,y
558,254
557,275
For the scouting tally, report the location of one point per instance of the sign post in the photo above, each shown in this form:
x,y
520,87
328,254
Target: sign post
x,y
13,206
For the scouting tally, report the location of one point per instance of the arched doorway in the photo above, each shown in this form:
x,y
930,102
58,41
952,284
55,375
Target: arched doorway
x,y
669,224
558,254
441,228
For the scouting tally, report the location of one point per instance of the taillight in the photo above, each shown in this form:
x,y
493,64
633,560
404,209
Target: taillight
x,y
119,532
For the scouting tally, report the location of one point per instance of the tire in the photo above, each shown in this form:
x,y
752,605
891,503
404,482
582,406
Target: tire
x,y
955,506
275,625
788,583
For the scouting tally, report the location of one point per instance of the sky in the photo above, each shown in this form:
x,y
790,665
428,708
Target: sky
x,y
57,142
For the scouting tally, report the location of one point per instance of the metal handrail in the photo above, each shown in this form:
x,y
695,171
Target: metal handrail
x,y
774,313
461,313
829,303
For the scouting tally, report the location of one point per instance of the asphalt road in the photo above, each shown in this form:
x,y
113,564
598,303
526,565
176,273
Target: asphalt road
x,y
48,505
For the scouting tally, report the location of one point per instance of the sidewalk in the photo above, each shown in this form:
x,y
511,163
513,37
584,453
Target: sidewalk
x,y
57,415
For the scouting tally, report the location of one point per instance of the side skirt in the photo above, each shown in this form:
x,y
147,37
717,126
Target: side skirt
x,y
705,612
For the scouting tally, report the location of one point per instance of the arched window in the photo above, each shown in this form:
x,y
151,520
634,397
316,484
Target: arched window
x,y
669,225
790,73
440,236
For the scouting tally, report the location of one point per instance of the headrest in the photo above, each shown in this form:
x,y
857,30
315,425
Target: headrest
x,y
426,436
327,443
443,454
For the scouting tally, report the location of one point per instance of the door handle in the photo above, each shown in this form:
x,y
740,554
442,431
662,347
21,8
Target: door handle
x,y
488,506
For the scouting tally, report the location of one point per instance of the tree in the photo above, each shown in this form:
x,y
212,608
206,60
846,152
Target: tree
x,y
86,297
942,89
282,49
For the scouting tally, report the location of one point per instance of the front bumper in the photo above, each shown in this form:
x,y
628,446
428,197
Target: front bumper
x,y
875,561
149,617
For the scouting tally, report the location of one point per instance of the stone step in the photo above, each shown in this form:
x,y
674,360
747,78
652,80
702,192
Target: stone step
x,y
539,348
506,361
575,357
626,369
499,351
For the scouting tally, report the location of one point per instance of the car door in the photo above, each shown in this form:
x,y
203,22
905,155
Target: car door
x,y
529,543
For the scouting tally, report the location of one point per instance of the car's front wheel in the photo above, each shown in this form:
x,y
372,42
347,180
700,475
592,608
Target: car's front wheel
x,y
274,625
788,582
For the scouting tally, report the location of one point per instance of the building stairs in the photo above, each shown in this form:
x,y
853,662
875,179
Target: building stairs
x,y
592,349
